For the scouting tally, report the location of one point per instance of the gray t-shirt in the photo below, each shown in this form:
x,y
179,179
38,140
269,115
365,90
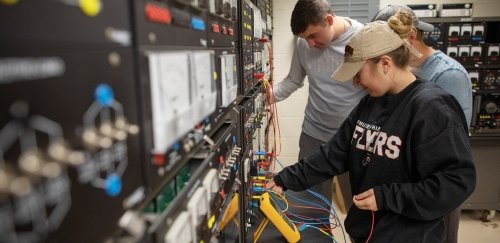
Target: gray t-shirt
x,y
329,101
451,76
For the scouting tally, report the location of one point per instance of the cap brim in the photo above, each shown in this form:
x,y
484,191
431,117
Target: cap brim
x,y
425,26
347,71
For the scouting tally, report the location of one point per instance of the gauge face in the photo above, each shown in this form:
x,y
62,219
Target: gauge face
x,y
489,81
490,107
435,34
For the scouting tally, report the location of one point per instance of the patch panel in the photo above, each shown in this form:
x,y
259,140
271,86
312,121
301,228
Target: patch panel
x,y
146,112
246,40
466,33
248,117
475,79
221,31
492,53
67,160
170,22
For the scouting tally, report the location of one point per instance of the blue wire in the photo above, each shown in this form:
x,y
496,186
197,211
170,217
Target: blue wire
x,y
289,211
327,222
334,212
282,207
323,199
298,222
307,202
328,203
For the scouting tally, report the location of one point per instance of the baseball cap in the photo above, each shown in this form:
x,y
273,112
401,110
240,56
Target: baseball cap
x,y
385,13
373,40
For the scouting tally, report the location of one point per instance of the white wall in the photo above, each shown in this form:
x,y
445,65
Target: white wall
x,y
291,110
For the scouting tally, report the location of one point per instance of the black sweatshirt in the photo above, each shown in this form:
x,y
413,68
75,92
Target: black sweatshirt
x,y
412,148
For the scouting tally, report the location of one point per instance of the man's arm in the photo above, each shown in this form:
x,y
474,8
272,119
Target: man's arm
x,y
458,84
295,78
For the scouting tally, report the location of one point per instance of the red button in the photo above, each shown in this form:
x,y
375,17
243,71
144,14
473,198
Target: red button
x,y
159,159
231,31
215,27
157,14
224,30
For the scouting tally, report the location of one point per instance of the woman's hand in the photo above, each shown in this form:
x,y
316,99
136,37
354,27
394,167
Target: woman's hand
x,y
366,200
270,185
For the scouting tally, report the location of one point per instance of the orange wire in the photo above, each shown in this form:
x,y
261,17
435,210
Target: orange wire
x,y
275,120
270,62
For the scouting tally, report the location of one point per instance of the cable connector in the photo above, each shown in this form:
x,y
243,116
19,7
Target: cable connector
x,y
258,76
301,226
261,152
258,189
258,178
263,164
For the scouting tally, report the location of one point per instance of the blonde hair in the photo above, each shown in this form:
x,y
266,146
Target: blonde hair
x,y
402,24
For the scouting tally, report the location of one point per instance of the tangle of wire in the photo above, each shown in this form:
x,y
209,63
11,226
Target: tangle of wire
x,y
329,208
286,210
327,225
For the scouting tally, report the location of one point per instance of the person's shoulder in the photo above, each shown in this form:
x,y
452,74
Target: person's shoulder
x,y
301,43
356,25
430,100
440,67
354,21
302,48
447,61
428,92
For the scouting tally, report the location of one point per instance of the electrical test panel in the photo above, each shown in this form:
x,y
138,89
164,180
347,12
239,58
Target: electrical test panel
x,y
129,120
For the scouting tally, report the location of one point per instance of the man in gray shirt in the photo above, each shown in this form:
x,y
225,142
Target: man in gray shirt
x,y
439,68
318,52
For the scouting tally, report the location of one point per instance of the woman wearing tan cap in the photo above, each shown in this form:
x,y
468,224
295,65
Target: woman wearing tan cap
x,y
405,144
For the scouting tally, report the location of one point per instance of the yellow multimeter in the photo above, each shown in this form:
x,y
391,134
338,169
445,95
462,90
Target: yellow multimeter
x,y
229,213
284,225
